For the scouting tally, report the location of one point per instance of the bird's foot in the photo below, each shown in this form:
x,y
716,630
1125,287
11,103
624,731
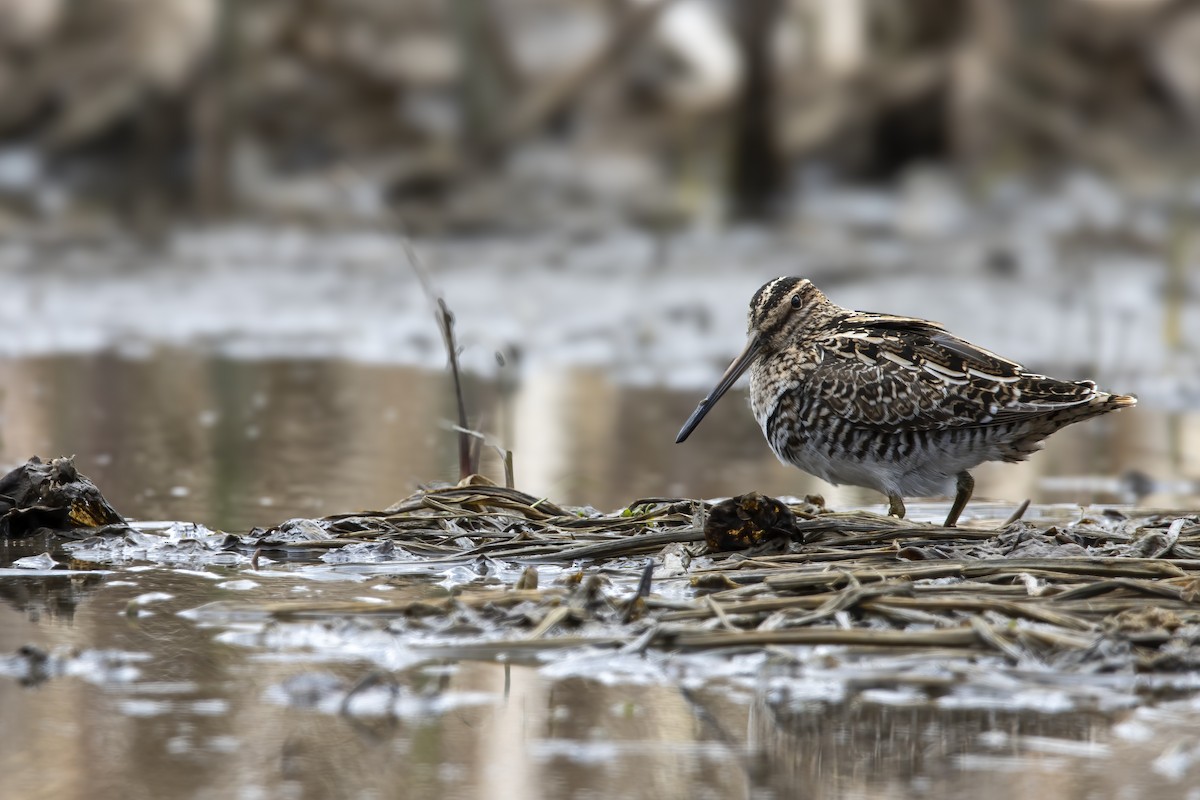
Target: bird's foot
x,y
965,486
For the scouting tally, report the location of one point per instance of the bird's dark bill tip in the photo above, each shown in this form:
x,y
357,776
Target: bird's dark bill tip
x,y
731,375
693,420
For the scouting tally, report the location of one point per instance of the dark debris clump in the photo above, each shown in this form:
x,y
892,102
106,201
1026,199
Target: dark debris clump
x,y
54,496
753,519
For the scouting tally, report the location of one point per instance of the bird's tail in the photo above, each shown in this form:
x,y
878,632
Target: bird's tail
x,y
1115,401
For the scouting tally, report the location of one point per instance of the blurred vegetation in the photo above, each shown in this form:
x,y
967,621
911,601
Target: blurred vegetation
x,y
462,114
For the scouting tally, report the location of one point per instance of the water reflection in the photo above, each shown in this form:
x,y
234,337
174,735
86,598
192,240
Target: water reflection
x,y
235,444
867,749
164,706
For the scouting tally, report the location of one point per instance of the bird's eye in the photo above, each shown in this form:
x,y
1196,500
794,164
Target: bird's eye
x,y
795,301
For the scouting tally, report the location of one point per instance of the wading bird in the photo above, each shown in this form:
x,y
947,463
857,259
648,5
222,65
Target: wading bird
x,y
895,404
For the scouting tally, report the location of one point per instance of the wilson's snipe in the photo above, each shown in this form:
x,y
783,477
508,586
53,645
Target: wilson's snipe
x,y
896,404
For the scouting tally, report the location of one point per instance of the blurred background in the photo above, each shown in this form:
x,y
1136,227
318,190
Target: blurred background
x,y
204,204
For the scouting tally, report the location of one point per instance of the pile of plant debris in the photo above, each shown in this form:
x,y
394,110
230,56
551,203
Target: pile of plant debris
x,y
1111,590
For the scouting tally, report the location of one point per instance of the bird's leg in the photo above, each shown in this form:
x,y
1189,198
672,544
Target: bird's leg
x,y
895,506
964,486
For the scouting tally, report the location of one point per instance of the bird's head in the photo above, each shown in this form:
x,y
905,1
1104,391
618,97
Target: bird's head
x,y
780,312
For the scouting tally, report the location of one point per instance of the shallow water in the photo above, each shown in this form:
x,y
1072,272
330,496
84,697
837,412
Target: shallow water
x,y
162,676
146,690
233,444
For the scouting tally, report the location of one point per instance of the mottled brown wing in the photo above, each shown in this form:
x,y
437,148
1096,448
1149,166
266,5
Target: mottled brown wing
x,y
898,373
927,340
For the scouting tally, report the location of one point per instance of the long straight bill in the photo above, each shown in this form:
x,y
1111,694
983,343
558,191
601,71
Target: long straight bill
x,y
730,377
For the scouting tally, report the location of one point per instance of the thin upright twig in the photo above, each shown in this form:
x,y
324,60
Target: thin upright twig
x,y
445,321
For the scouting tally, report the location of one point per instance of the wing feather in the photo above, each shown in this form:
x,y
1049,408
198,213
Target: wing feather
x,y
894,373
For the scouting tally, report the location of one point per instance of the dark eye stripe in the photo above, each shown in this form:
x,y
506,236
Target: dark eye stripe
x,y
771,294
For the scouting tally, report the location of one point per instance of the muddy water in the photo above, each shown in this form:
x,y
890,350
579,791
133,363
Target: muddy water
x,y
234,444
131,683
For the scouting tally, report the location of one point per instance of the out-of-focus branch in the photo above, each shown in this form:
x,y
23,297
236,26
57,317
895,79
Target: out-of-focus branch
x,y
544,101
839,107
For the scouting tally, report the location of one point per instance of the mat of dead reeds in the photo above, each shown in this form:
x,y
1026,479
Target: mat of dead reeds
x,y
1108,589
